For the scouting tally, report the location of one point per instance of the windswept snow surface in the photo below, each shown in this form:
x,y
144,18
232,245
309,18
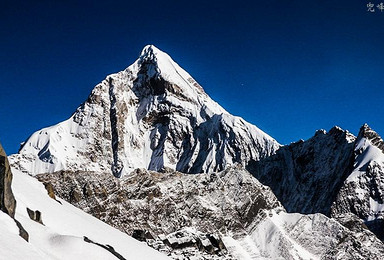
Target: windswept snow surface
x,y
61,236
151,115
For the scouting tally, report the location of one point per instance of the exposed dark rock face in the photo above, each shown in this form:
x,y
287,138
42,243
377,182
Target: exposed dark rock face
x,y
141,235
50,190
35,215
7,200
22,232
182,240
307,175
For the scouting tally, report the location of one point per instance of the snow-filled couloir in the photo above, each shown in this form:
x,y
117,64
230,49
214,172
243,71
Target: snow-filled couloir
x,y
151,115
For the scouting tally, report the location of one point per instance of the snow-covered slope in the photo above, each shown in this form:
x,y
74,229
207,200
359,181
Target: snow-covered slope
x,y
13,246
151,115
66,232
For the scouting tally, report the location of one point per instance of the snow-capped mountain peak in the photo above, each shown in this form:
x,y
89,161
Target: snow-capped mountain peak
x,y
151,115
158,74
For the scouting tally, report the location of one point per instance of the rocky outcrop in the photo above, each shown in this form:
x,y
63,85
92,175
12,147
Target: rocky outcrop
x,y
7,200
35,215
106,247
189,243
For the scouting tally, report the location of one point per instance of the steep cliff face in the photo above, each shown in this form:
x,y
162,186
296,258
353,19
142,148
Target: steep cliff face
x,y
7,200
306,175
151,115
362,192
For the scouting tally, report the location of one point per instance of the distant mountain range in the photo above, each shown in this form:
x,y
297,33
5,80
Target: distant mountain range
x,y
151,154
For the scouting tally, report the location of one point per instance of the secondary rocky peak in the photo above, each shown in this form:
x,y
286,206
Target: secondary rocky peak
x,y
337,133
337,129
306,175
372,136
362,193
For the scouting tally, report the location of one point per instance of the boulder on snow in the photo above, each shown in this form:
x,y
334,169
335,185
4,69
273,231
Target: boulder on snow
x,y
35,215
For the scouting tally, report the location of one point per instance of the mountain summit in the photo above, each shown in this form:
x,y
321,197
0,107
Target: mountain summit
x,y
151,115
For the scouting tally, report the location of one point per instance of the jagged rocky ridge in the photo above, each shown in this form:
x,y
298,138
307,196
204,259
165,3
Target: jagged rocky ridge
x,y
151,115
225,215
334,173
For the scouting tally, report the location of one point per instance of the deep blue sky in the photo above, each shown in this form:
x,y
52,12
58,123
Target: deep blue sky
x,y
290,67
